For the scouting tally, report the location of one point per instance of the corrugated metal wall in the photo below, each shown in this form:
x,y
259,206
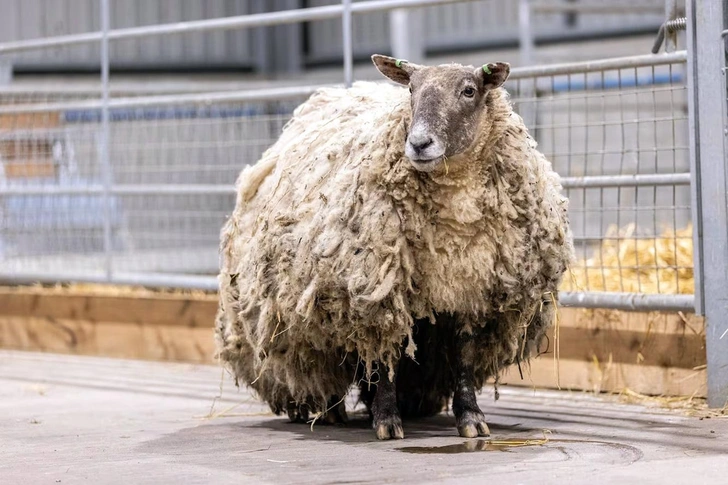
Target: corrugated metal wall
x,y
450,26
29,19
464,24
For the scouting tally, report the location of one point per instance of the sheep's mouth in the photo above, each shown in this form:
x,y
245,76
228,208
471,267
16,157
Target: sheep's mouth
x,y
426,164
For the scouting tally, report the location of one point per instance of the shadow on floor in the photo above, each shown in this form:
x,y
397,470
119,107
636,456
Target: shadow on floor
x,y
358,429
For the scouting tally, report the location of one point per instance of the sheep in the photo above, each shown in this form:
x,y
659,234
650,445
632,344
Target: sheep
x,y
383,219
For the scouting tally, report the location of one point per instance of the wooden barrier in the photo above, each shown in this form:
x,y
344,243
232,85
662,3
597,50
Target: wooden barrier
x,y
600,350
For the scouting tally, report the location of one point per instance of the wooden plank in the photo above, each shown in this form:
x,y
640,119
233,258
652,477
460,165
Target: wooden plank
x,y
632,347
26,121
30,168
651,353
199,310
606,376
658,322
108,339
169,310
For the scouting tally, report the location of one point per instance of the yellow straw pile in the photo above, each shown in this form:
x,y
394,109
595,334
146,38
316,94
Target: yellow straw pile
x,y
624,263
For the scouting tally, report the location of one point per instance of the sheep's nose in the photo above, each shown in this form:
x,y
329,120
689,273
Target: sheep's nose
x,y
419,143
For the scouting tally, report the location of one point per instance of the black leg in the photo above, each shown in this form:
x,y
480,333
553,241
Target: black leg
x,y
297,412
335,411
386,420
469,418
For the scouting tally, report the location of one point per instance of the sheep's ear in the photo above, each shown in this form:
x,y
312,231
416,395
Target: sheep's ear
x,y
398,70
493,75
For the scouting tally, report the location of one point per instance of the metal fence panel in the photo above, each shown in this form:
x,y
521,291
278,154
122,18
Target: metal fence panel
x,y
608,132
187,145
615,130
617,135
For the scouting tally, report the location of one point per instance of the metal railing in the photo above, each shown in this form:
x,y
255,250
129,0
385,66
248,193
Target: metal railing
x,y
107,188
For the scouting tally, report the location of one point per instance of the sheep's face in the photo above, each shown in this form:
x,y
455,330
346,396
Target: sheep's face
x,y
447,104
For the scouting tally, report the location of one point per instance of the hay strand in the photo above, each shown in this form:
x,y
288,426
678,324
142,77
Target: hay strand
x,y
627,262
688,405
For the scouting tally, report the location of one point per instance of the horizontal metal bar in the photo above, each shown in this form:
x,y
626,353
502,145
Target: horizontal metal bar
x,y
615,301
226,23
158,280
548,86
126,88
209,98
646,180
173,189
628,301
594,8
125,189
293,92
596,181
600,65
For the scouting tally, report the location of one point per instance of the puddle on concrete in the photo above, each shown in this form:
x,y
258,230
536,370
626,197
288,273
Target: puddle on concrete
x,y
498,445
466,447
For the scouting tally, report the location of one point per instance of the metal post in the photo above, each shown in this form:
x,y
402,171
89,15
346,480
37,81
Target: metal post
x,y
277,48
707,103
670,36
526,89
285,40
104,141
405,34
347,43
525,35
6,71
259,40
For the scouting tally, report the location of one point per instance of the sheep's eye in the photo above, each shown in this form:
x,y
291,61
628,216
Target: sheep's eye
x,y
410,89
469,92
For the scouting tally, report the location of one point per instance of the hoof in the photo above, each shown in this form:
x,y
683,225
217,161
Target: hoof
x,y
472,425
297,413
389,428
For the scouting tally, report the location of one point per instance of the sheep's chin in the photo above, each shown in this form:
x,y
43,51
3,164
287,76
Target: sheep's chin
x,y
426,165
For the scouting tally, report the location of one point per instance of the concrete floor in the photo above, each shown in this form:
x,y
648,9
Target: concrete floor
x,y
67,419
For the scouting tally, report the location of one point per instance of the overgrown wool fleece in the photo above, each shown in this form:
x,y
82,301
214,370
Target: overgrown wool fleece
x,y
337,244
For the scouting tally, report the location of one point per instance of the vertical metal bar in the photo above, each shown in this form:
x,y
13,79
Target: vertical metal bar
x,y
104,141
6,71
525,35
285,40
406,34
694,153
259,37
348,44
635,217
707,107
602,164
670,37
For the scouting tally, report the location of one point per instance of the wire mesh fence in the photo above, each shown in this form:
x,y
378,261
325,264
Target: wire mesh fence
x,y
173,170
615,130
619,138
